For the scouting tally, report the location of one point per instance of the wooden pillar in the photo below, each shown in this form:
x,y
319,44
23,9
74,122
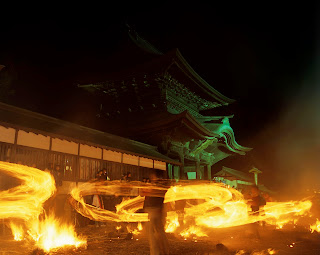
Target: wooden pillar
x,y
209,171
77,175
170,171
13,156
198,170
182,174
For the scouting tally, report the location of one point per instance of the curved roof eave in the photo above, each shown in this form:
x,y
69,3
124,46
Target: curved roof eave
x,y
142,43
185,118
224,130
162,63
192,74
202,131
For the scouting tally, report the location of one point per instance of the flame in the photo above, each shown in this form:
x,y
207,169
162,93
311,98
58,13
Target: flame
x,y
219,206
315,227
209,205
51,233
25,201
280,213
17,231
172,222
24,204
240,252
269,251
192,231
139,226
48,234
135,230
125,211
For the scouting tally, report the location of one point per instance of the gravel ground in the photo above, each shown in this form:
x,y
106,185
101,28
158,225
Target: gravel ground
x,y
107,240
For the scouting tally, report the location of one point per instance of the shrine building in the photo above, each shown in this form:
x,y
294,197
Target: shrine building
x,y
163,102
153,115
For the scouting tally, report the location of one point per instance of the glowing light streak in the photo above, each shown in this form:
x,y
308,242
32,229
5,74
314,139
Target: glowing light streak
x,y
209,205
22,205
25,201
17,230
125,211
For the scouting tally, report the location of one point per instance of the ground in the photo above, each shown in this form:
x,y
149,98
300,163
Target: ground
x,y
236,241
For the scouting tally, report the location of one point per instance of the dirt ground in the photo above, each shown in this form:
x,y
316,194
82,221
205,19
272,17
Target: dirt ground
x,y
236,241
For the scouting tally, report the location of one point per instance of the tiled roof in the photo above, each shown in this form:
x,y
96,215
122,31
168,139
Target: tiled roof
x,y
18,117
241,175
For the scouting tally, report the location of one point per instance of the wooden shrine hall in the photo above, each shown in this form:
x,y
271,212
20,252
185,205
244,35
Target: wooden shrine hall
x,y
160,100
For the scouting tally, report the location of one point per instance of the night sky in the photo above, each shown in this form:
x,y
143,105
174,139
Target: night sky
x,y
263,56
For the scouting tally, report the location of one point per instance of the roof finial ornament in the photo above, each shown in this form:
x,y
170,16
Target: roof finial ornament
x,y
255,172
225,120
132,31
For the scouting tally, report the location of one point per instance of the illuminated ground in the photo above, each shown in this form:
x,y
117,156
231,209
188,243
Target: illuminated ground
x,y
104,240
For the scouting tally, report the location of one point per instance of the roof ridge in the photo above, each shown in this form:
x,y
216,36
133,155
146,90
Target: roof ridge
x,y
215,93
141,42
68,123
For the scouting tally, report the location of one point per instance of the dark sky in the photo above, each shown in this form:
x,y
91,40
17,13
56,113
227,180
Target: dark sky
x,y
264,56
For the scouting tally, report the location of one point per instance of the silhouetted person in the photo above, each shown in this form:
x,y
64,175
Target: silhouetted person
x,y
128,177
105,174
57,175
49,168
123,177
97,201
256,201
153,205
100,175
179,207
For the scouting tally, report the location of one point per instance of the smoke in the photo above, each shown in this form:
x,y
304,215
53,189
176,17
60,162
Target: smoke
x,y
295,139
297,153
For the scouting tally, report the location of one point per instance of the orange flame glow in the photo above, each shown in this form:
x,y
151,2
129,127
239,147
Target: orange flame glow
x,y
25,201
17,231
315,227
209,205
125,211
219,206
23,204
172,222
280,213
269,251
192,231
51,234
